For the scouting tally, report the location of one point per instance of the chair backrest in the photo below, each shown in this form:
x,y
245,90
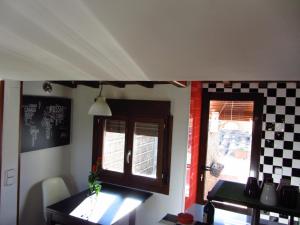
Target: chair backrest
x,y
54,190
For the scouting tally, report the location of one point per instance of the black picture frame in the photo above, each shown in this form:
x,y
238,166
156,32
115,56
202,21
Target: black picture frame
x,y
45,122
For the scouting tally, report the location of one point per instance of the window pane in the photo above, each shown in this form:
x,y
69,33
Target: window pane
x,y
229,140
114,145
145,146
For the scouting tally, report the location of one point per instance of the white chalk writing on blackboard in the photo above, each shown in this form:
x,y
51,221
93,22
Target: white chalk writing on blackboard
x,y
46,122
53,116
33,132
29,111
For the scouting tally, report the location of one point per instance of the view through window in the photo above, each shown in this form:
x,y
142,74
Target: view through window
x,y
145,146
114,145
229,142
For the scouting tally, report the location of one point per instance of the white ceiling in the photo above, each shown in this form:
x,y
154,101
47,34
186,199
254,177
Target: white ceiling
x,y
150,39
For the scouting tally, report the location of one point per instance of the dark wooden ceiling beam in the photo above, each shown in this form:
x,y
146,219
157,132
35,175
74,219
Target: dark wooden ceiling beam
x,y
146,84
122,84
118,84
70,84
92,84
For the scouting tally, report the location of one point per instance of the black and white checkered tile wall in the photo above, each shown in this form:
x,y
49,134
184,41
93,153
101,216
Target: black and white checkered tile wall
x,y
280,144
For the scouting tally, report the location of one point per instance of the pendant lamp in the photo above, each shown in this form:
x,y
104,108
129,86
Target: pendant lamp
x,y
100,106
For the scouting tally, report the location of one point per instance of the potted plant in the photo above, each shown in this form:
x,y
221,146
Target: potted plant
x,y
93,179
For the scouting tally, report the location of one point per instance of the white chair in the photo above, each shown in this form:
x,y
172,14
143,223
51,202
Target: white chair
x,y
54,190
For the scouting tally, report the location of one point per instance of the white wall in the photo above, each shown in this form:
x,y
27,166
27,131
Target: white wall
x,y
10,149
158,205
82,136
75,159
35,166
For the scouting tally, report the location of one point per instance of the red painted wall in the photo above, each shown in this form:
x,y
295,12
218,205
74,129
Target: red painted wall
x,y
193,144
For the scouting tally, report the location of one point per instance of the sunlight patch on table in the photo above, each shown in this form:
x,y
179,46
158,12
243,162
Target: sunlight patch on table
x,y
127,206
94,207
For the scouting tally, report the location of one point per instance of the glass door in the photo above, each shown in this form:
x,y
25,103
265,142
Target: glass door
x,y
230,139
228,142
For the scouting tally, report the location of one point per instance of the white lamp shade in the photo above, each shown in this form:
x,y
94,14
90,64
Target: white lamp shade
x,y
100,108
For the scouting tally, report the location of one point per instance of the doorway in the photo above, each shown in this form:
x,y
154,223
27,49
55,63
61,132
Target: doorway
x,y
230,139
1,124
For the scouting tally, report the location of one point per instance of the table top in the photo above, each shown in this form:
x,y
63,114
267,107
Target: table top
x,y
221,217
231,192
111,204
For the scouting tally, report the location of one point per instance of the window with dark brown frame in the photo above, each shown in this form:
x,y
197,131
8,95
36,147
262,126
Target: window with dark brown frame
x,y
135,144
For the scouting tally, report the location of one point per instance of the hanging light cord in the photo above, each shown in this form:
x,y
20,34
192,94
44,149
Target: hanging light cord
x,y
101,88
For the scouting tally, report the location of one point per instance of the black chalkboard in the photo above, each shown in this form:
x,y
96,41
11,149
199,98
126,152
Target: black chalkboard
x,y
45,122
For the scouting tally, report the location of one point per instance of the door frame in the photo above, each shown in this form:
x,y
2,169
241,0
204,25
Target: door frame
x,y
258,100
1,125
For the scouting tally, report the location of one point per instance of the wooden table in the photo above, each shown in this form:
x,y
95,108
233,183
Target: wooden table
x,y
231,192
110,206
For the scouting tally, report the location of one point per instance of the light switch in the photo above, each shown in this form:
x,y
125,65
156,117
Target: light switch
x,y
9,181
10,175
